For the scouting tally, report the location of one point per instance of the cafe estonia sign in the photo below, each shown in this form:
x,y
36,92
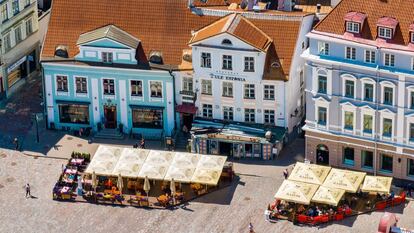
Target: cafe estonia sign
x,y
228,78
232,137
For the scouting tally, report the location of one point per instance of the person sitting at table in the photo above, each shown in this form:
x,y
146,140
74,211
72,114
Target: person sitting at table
x,y
301,209
317,211
392,195
331,211
310,212
109,183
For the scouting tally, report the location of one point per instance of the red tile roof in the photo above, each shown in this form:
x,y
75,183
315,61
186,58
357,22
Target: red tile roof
x,y
238,26
402,11
160,25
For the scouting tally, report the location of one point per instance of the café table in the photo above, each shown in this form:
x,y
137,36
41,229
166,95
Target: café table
x,y
76,161
71,171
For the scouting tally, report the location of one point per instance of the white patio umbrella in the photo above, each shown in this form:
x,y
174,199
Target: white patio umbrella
x,y
120,183
147,186
172,187
94,181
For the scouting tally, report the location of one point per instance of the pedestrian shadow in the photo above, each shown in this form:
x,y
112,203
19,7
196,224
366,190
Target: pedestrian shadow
x,y
33,197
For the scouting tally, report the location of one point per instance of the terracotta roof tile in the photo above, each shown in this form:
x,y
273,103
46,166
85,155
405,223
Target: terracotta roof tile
x,y
402,11
160,25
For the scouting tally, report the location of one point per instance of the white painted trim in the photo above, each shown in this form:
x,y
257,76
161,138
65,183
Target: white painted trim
x,y
352,109
388,115
348,77
61,93
367,80
135,98
384,84
371,112
74,86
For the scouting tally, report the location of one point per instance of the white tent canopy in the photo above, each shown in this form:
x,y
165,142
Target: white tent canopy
x,y
157,165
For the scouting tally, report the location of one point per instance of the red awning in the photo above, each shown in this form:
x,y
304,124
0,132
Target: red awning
x,y
186,108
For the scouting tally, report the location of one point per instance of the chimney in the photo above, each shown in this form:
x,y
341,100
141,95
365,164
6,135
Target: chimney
x,y
318,8
250,5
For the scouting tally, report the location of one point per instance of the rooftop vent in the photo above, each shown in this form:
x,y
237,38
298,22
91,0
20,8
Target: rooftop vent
x,y
318,8
61,51
156,57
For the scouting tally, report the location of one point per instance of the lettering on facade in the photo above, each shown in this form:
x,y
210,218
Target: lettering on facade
x,y
232,137
229,78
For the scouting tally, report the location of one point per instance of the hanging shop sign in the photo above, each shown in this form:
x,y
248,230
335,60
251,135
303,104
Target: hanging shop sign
x,y
232,137
16,64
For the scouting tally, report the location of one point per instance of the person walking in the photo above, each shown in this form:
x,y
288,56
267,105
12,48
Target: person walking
x,y
286,173
16,143
142,144
251,228
28,190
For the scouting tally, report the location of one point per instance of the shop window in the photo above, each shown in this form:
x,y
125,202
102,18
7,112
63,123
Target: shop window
x,y
136,88
248,64
269,92
348,156
368,92
367,158
227,62
74,113
349,88
206,60
156,89
109,87
349,120
147,118
227,89
367,123
208,110
322,116
410,167
249,91
269,116
81,85
61,83
206,87
386,163
387,127
249,115
322,83
228,113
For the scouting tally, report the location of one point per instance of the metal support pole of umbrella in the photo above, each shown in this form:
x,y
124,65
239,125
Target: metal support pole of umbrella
x,y
120,183
147,186
94,183
173,191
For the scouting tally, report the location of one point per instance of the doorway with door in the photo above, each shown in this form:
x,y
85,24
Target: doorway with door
x,y
322,155
110,117
187,121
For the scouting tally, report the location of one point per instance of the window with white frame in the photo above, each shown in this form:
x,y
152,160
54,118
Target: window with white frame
x,y
62,83
156,89
81,85
29,26
348,120
227,113
206,87
227,89
109,87
248,64
107,57
412,63
249,115
322,83
4,14
352,27
367,123
387,127
350,53
323,48
385,33
187,84
411,132
269,92
389,60
206,60
208,110
7,42
249,91
15,7
227,62
369,56
349,88
18,34
136,88
388,95
269,116
322,115
368,91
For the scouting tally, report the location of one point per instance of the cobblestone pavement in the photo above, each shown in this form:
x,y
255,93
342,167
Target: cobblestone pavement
x,y
227,210
16,113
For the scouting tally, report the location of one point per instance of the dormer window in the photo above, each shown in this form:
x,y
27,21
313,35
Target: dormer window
x,y
352,27
226,42
385,33
386,27
107,57
411,29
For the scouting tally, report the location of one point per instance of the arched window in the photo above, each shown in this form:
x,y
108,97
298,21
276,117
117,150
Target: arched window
x,y
226,42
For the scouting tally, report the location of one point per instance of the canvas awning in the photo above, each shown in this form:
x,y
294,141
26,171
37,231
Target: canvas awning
x,y
309,173
104,160
297,192
380,184
211,162
206,176
344,179
130,162
182,167
330,196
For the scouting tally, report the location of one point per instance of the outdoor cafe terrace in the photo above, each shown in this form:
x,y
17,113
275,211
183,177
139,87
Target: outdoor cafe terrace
x,y
315,194
147,178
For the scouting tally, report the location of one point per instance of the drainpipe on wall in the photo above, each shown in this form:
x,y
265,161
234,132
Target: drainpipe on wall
x,y
174,103
45,117
377,121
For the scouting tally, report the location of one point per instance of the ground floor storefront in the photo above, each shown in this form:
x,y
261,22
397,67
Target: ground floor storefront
x,y
357,154
15,72
236,140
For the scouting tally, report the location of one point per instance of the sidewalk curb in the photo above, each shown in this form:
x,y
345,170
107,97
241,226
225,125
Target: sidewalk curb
x,y
39,155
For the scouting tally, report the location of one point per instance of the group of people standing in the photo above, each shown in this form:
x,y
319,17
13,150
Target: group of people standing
x,y
141,144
